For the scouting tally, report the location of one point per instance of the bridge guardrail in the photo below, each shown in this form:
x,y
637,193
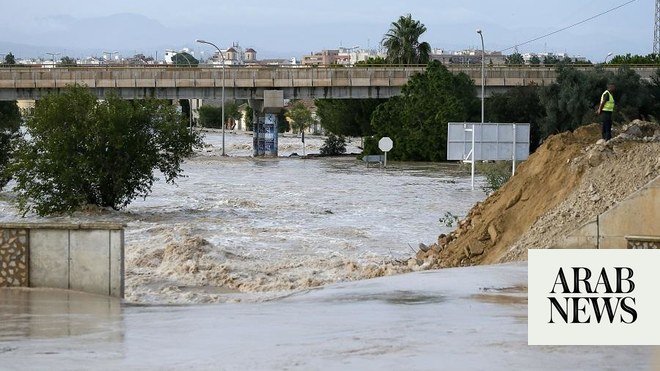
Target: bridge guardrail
x,y
246,77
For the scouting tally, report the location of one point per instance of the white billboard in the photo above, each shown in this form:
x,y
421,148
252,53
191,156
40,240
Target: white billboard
x,y
492,141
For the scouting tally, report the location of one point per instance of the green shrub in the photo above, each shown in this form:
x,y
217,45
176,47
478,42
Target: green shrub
x,y
496,173
333,145
84,151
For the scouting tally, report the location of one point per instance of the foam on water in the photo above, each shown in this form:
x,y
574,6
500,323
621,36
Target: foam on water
x,y
264,227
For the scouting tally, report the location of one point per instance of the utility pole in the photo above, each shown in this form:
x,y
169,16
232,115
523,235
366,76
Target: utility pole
x,y
656,33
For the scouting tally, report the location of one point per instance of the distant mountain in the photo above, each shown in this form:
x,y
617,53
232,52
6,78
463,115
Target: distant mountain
x,y
125,33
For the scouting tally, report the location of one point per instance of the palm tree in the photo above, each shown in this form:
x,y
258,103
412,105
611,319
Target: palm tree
x,y
402,42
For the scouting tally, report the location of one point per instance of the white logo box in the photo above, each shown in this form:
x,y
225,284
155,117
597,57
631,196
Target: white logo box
x,y
543,276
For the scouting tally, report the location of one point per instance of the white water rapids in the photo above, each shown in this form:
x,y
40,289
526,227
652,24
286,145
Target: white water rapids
x,y
264,227
250,230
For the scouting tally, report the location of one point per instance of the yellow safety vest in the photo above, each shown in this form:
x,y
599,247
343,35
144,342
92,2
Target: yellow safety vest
x,y
609,105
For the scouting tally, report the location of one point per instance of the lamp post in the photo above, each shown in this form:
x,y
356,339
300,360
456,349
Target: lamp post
x,y
52,55
111,53
349,50
607,56
223,89
483,96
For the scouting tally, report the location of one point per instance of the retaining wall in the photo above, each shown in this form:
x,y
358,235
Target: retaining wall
x,y
631,224
82,257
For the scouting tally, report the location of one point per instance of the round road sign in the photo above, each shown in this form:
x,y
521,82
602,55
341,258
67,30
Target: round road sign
x,y
385,144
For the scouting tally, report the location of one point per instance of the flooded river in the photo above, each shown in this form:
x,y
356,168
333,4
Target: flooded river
x,y
291,240
264,227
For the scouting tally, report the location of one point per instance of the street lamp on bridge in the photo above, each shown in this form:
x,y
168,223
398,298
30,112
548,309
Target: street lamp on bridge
x,y
607,56
52,55
349,50
483,96
223,89
111,53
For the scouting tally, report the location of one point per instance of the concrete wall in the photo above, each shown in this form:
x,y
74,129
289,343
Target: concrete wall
x,y
249,82
632,223
83,257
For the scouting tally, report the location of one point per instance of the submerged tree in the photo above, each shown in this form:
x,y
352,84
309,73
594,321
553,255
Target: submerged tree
x,y
84,151
350,117
402,42
10,120
417,120
300,116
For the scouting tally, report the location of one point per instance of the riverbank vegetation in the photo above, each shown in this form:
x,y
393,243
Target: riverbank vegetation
x,y
78,151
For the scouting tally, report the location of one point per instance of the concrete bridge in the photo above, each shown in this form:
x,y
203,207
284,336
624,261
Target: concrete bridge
x,y
250,82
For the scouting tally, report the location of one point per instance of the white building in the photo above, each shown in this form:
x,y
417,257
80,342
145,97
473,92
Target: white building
x,y
234,55
467,56
559,56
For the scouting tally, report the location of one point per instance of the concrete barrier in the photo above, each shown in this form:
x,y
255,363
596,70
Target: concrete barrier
x,y
632,223
82,257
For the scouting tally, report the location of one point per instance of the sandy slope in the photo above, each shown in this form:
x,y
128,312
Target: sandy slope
x,y
570,179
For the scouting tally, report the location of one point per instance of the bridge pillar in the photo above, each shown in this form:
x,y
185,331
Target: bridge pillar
x,y
265,129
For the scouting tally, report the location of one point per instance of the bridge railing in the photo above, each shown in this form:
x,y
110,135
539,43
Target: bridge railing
x,y
265,77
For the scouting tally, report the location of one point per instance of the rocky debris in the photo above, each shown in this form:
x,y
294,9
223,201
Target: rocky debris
x,y
570,179
423,247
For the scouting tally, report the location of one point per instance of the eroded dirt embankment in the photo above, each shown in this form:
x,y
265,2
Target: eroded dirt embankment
x,y
570,179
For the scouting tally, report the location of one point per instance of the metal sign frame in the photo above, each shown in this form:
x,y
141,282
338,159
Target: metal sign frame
x,y
474,141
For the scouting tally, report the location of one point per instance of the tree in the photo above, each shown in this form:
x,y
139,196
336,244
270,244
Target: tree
x,y
140,59
515,59
84,151
10,120
300,116
636,59
211,116
67,61
232,114
184,59
333,145
654,89
535,60
551,60
371,61
402,42
520,104
417,119
349,117
572,99
249,118
9,59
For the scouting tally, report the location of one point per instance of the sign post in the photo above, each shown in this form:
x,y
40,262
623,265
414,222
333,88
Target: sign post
x,y
385,144
470,142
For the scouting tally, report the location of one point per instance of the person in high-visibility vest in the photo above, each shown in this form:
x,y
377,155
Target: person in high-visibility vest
x,y
606,108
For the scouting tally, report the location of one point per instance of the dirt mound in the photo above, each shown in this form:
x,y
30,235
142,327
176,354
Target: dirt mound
x,y
570,179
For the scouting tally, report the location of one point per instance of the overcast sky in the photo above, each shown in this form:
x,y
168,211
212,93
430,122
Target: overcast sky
x,y
295,27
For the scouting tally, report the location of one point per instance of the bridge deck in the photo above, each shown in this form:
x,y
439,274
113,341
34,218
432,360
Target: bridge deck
x,y
25,82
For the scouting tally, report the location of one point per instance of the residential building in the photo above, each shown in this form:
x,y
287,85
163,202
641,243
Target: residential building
x,y
553,56
323,58
342,56
467,56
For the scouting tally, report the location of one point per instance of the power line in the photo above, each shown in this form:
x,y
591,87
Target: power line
x,y
571,26
656,31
